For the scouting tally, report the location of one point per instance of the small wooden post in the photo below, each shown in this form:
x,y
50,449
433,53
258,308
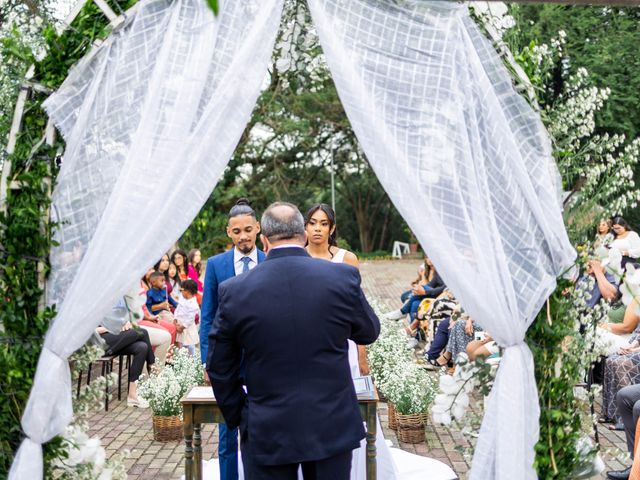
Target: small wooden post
x,y
188,440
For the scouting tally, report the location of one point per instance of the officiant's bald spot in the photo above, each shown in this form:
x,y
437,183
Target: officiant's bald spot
x,y
282,222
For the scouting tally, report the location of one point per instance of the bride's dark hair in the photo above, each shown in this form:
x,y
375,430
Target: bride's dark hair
x,y
331,215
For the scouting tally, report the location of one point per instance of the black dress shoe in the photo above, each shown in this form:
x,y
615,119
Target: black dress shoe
x,y
619,474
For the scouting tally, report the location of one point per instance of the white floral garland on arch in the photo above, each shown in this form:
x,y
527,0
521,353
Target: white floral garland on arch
x,y
476,199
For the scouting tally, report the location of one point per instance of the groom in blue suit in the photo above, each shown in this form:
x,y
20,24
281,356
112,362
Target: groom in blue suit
x,y
290,318
242,229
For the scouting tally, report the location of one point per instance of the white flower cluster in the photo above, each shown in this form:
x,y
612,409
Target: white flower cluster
x,y
629,277
297,50
575,114
20,31
164,389
392,365
495,15
600,167
411,389
453,399
91,397
84,458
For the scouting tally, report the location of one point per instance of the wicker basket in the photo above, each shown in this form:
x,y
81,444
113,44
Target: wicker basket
x,y
167,429
411,427
391,414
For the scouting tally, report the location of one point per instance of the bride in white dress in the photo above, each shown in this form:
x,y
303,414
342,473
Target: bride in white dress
x,y
392,463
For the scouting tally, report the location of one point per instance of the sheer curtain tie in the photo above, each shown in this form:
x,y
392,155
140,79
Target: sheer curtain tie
x,y
49,411
514,396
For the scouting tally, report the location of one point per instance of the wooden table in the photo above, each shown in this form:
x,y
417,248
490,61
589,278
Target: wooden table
x,y
205,410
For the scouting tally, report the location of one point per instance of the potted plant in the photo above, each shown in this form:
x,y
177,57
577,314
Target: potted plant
x,y
412,390
164,389
385,356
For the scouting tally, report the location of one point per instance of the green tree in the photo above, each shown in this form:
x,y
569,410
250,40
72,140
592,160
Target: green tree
x,y
285,153
603,40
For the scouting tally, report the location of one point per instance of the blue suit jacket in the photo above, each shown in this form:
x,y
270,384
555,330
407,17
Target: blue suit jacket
x,y
291,316
219,268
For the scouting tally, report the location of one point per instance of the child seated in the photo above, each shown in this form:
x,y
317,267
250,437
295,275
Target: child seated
x,y
185,317
158,300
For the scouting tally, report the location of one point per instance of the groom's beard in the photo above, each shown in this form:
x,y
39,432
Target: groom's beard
x,y
245,248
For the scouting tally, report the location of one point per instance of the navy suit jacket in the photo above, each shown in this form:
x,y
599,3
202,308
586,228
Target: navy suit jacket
x,y
291,316
219,268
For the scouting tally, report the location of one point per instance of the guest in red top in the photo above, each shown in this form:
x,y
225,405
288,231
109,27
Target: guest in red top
x,y
194,270
179,257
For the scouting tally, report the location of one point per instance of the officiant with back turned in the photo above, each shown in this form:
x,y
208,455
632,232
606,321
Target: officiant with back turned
x,y
292,317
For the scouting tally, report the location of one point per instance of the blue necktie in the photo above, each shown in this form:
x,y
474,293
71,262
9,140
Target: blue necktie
x,y
245,266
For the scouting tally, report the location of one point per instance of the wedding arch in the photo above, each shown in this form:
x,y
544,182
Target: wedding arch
x,y
463,157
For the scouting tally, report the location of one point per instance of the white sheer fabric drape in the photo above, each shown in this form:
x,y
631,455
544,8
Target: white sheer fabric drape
x,y
151,119
468,165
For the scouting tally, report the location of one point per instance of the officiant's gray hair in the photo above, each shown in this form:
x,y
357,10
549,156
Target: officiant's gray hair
x,y
282,221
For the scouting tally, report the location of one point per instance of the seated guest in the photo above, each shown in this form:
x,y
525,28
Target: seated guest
x,y
605,286
160,336
485,348
163,267
179,257
434,287
134,342
604,237
617,335
625,240
462,333
158,300
423,274
620,369
194,269
150,319
185,315
440,309
174,281
628,403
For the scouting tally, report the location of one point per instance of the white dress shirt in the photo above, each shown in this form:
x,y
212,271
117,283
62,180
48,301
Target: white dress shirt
x,y
630,243
238,265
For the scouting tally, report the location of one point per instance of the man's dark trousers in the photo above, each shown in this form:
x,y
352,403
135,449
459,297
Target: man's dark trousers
x,y
337,467
628,402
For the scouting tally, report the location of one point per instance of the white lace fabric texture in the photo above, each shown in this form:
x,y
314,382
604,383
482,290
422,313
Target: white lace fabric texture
x,y
468,164
151,119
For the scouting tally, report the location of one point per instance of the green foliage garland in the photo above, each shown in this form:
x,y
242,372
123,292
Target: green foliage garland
x,y
25,234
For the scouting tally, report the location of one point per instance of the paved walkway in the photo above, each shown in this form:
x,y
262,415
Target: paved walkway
x,y
130,428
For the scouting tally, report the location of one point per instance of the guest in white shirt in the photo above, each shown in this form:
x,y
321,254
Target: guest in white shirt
x,y
185,317
626,240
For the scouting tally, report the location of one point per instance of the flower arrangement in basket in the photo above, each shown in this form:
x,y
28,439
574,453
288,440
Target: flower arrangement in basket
x,y
411,390
386,356
388,352
164,389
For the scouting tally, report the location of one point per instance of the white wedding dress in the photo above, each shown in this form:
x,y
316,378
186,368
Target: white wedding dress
x,y
392,463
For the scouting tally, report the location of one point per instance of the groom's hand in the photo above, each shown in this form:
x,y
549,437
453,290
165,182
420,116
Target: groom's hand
x,y
206,378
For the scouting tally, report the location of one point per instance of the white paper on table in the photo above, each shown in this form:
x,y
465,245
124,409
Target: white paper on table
x,y
200,393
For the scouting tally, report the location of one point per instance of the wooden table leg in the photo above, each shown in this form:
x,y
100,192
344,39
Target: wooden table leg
x,y
372,473
188,438
197,451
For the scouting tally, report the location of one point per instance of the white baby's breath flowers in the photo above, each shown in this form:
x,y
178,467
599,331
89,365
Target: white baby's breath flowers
x,y
164,389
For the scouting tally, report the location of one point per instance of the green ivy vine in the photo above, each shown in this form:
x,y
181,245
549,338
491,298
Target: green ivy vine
x,y
25,234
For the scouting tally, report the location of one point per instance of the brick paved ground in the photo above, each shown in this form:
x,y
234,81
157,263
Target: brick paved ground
x,y
130,428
